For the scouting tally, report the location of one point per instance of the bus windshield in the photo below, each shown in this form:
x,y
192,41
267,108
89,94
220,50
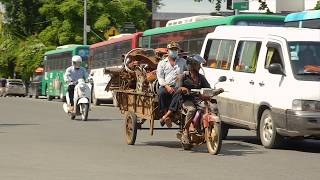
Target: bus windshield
x,y
304,19
84,53
305,59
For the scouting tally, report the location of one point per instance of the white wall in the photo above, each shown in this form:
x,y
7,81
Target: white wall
x,y
310,4
289,5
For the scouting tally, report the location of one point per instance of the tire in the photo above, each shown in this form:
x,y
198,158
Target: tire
x,y
267,130
95,101
131,128
84,110
36,96
114,99
224,130
49,98
213,137
30,96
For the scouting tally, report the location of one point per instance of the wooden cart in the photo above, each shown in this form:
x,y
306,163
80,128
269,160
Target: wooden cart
x,y
138,108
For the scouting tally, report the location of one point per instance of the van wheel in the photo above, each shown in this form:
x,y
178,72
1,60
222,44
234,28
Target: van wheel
x,y
268,133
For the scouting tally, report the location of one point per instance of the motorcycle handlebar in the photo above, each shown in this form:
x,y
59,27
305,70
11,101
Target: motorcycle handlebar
x,y
207,92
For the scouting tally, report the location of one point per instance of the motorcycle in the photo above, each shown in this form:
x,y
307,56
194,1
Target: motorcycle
x,y
206,121
82,99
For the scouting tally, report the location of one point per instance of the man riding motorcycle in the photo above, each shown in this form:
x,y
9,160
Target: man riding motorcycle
x,y
72,75
190,79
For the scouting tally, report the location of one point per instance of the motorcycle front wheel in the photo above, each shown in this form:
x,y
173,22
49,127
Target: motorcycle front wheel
x,y
84,109
213,137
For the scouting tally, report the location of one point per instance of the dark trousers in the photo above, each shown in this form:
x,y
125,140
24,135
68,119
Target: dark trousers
x,y
177,100
71,93
164,99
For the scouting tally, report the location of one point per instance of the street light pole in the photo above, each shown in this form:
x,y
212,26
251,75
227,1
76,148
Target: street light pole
x,y
85,23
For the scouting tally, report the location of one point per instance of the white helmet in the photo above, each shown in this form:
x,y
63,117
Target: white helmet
x,y
76,61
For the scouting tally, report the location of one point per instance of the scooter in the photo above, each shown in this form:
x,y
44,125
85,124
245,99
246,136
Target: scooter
x,y
82,99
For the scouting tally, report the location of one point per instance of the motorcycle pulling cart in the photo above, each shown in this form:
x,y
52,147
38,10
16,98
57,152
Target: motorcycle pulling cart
x,y
136,87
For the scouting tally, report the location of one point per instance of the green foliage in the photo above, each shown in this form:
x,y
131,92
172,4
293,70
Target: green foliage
x,y
264,6
23,18
317,5
66,18
35,26
8,49
29,56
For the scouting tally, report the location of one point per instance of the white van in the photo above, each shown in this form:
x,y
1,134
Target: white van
x,y
273,80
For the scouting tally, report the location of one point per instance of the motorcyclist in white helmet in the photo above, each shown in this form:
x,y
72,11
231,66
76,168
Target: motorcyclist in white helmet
x,y
72,75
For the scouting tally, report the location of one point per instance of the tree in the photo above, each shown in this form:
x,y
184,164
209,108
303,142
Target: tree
x,y
35,26
22,17
29,56
264,6
317,5
66,18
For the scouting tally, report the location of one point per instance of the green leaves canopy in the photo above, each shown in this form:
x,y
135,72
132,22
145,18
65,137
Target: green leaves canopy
x,y
66,18
35,26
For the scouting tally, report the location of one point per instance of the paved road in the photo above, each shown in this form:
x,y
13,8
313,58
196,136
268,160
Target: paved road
x,y
39,142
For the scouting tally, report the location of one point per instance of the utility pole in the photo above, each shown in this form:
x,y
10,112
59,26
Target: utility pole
x,y
85,23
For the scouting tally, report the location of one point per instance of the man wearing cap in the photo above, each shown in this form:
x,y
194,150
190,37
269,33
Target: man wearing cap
x,y
167,71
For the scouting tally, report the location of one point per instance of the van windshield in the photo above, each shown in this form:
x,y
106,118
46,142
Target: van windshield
x,y
305,59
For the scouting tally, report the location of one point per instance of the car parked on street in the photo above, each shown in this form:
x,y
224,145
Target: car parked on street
x,y
14,87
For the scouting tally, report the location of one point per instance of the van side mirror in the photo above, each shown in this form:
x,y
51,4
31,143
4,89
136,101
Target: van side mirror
x,y
222,78
276,68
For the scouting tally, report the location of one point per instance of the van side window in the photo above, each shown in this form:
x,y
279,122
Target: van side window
x,y
273,56
247,56
219,53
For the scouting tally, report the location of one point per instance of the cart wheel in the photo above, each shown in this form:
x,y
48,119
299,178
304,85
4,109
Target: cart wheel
x,y
131,128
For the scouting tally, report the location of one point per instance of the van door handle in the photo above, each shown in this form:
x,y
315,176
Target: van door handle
x,y
261,83
251,82
231,80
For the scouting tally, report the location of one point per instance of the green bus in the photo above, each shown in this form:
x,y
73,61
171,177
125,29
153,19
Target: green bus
x,y
190,36
55,63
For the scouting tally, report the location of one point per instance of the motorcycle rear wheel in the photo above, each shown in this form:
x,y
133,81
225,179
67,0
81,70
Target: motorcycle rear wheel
x,y
213,137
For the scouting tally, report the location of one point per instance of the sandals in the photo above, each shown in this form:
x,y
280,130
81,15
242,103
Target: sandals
x,y
166,121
